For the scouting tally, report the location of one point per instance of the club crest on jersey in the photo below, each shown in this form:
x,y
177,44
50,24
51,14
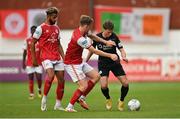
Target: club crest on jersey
x,y
100,46
29,42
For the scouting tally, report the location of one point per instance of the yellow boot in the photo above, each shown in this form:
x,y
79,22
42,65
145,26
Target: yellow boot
x,y
120,105
39,93
108,104
31,96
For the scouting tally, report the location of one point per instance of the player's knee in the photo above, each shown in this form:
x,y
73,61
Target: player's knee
x,y
104,86
61,80
39,79
51,76
125,84
97,78
31,76
83,88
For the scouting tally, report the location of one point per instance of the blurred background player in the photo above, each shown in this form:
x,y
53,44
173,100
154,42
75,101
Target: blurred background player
x,y
105,64
52,55
76,68
28,65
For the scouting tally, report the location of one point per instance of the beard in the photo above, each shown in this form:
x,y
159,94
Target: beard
x,y
52,22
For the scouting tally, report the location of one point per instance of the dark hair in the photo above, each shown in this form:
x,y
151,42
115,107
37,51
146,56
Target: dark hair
x,y
108,25
52,10
33,27
85,20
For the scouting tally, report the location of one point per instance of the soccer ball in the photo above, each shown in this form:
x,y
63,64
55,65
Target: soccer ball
x,y
134,105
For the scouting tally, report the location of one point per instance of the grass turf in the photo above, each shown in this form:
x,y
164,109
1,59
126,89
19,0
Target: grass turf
x,y
157,100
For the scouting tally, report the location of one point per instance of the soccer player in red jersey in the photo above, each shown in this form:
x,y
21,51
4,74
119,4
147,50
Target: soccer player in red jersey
x,y
79,70
52,56
28,65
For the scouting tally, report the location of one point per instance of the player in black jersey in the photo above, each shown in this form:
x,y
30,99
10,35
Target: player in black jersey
x,y
106,64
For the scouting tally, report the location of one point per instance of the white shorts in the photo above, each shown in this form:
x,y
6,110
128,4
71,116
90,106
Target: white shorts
x,y
77,72
31,69
56,65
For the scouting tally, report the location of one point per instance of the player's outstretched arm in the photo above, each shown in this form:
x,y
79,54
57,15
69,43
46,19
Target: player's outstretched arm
x,y
104,54
123,55
33,53
98,39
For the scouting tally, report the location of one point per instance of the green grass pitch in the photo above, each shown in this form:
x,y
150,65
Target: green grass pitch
x,y
157,100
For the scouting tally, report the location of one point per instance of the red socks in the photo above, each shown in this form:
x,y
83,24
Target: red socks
x,y
89,88
60,90
31,86
78,92
75,96
47,85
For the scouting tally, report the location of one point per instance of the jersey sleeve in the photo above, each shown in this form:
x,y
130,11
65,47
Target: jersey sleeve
x,y
84,42
118,43
94,44
59,36
37,33
25,45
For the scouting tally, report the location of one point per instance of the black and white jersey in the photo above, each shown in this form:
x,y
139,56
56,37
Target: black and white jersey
x,y
107,49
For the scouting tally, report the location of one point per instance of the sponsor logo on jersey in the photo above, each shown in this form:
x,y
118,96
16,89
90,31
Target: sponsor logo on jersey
x,y
84,42
37,32
104,47
53,38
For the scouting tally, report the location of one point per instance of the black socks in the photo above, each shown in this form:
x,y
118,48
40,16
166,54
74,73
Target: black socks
x,y
124,91
105,92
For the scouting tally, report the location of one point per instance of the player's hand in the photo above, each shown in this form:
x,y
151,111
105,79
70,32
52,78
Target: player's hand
x,y
114,57
110,43
125,59
89,33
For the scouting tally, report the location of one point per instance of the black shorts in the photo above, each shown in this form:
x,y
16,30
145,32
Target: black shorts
x,y
115,68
